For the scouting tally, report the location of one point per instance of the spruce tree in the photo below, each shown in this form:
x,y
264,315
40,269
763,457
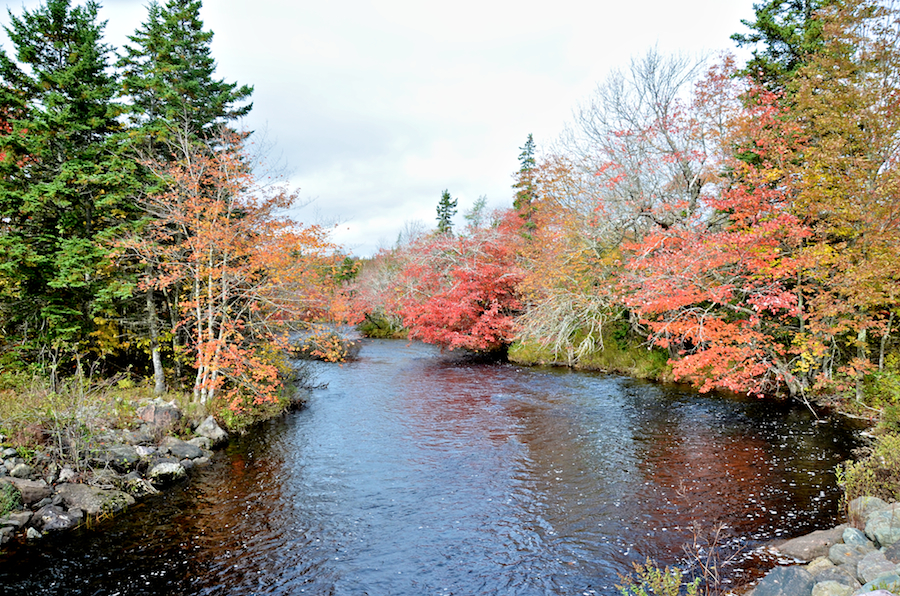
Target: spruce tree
x,y
176,106
61,181
526,186
784,37
169,76
446,209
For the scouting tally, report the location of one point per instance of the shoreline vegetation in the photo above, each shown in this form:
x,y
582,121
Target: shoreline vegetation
x,y
733,227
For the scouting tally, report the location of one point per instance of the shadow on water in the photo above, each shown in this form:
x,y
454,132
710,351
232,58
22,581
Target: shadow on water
x,y
417,473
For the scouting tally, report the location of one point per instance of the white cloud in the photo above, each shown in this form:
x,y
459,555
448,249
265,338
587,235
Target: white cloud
x,y
377,107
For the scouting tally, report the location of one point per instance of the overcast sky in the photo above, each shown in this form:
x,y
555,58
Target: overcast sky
x,y
375,107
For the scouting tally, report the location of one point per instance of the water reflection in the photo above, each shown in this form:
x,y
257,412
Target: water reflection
x,y
417,474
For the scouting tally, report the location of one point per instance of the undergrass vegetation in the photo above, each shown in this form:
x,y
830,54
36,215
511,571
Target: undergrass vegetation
x,y
626,357
64,418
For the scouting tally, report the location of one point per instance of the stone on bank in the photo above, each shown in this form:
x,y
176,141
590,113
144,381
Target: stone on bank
x,y
124,464
856,562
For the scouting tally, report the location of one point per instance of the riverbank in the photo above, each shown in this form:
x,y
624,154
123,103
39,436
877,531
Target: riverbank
x,y
859,557
42,494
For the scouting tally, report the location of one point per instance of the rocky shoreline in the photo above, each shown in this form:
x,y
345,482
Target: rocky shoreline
x,y
120,467
862,557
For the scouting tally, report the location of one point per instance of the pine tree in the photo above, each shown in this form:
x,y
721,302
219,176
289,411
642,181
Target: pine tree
x,y
169,75
61,180
785,35
526,187
446,209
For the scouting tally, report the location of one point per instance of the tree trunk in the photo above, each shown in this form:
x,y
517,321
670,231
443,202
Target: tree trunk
x,y
159,376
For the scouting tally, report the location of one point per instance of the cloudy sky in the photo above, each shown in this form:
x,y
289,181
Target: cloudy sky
x,y
375,107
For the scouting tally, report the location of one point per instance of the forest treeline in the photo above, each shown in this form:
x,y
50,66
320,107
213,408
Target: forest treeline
x,y
738,224
734,226
135,236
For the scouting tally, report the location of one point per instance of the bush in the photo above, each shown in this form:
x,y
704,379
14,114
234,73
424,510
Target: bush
x,y
380,326
10,499
877,474
653,581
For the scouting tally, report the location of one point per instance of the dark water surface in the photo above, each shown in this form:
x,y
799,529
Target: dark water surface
x,y
417,474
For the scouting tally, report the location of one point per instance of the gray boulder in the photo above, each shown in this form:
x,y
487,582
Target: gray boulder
x,y
136,486
883,525
856,537
31,491
165,472
120,457
16,519
785,581
54,519
873,566
93,500
861,507
831,588
180,449
21,470
813,545
845,554
210,429
841,575
136,437
202,442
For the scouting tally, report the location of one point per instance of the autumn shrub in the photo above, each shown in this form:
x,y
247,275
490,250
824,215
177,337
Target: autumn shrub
x,y
240,412
876,473
238,409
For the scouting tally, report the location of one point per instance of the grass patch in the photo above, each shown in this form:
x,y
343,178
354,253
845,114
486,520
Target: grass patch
x,y
64,420
615,356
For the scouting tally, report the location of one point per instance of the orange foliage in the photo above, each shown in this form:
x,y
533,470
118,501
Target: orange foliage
x,y
242,271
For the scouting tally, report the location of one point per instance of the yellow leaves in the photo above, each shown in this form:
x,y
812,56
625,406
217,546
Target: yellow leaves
x,y
809,350
106,337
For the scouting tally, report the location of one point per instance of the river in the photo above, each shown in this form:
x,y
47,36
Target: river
x,y
419,473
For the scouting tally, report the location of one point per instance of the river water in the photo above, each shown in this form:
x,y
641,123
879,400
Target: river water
x,y
416,473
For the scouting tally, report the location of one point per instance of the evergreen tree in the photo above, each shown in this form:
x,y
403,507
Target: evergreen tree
x,y
526,187
61,180
446,209
169,75
785,34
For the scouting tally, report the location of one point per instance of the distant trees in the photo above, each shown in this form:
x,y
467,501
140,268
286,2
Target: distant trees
x,y
744,223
